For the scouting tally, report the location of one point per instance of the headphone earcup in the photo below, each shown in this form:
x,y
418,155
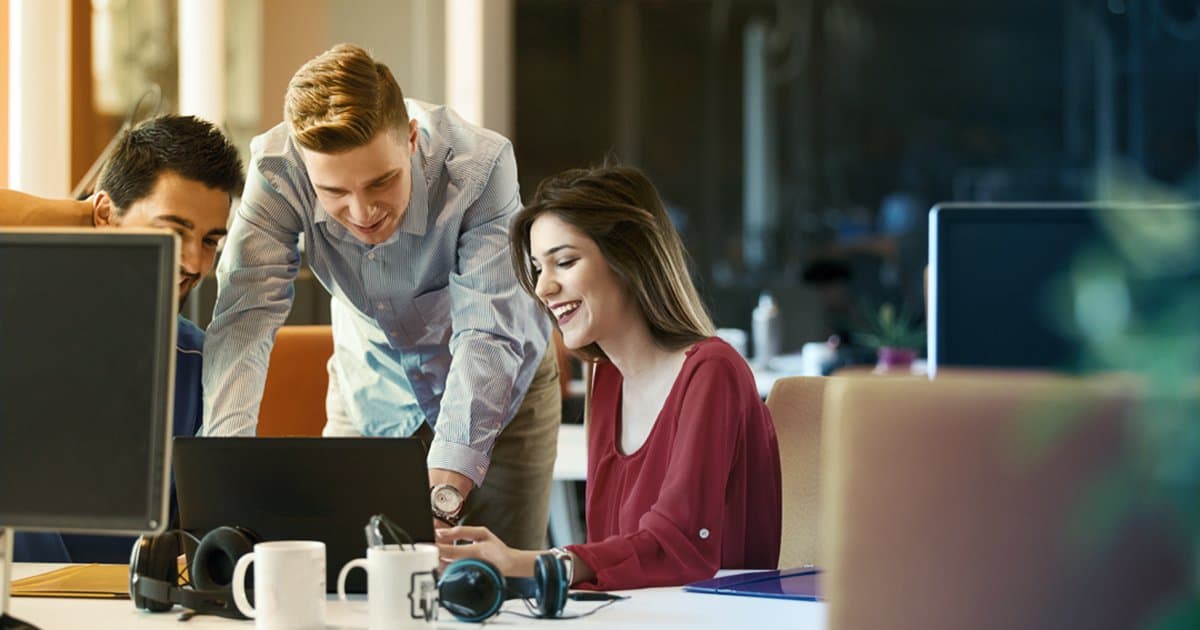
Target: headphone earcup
x,y
216,555
153,558
137,561
472,590
549,576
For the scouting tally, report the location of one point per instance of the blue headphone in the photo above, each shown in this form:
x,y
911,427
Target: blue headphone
x,y
473,590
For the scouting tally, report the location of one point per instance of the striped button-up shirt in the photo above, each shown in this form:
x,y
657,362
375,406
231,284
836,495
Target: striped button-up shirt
x,y
429,326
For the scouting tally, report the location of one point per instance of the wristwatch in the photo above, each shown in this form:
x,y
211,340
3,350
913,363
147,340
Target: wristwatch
x,y
447,503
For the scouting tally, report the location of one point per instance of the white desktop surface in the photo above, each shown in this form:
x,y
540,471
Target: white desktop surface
x,y
646,608
764,379
571,463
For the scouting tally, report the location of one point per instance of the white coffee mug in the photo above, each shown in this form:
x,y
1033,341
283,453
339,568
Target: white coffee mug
x,y
401,586
289,585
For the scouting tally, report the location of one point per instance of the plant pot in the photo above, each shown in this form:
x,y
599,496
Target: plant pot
x,y
895,360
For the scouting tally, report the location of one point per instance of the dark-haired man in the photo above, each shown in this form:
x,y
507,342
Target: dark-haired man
x,y
173,172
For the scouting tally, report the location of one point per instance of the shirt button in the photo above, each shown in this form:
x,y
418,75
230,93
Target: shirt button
x,y
704,533
370,255
381,306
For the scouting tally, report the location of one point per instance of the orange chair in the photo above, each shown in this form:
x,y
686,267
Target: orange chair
x,y
294,396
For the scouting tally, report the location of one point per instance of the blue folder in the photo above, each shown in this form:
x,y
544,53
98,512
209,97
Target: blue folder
x,y
801,584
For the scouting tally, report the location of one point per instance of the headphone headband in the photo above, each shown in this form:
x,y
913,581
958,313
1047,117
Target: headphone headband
x,y
154,576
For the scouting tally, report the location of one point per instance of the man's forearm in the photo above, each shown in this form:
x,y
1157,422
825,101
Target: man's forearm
x,y
237,353
254,296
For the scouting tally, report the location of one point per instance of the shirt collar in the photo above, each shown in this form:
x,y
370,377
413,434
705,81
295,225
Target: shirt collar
x,y
416,217
319,214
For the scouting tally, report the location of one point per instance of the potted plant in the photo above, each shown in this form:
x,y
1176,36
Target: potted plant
x,y
896,337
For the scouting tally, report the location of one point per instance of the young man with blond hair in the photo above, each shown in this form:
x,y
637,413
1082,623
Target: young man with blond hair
x,y
403,208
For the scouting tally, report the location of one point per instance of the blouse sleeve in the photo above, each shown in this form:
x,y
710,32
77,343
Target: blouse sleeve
x,y
679,539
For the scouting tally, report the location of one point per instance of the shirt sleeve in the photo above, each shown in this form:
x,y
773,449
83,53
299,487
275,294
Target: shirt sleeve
x,y
19,209
680,539
254,295
495,328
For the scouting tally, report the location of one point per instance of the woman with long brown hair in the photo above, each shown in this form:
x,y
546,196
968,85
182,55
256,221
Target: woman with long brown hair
x,y
683,463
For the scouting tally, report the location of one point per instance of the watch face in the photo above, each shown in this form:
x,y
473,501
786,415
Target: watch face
x,y
447,499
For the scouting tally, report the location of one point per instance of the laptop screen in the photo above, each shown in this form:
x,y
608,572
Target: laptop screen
x,y
322,489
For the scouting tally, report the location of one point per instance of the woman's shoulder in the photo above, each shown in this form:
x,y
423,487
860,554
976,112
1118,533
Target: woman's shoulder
x,y
718,387
715,349
716,357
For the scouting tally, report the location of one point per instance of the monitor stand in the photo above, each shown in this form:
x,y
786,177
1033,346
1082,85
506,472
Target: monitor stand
x,y
6,547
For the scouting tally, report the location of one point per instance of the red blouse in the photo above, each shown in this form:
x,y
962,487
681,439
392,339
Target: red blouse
x,y
701,494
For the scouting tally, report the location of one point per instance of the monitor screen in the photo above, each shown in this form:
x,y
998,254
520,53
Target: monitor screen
x,y
87,355
999,281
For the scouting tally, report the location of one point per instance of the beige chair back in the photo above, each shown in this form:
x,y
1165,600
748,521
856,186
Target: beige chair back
x,y
796,405
991,501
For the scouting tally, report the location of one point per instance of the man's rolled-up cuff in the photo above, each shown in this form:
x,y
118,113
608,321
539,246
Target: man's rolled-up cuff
x,y
459,458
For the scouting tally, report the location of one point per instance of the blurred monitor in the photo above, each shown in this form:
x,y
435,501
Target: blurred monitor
x,y
1000,280
87,358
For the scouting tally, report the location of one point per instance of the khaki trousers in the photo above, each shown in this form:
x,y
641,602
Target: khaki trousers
x,y
514,500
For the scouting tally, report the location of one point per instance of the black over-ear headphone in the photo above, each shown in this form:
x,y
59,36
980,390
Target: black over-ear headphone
x,y
154,574
473,590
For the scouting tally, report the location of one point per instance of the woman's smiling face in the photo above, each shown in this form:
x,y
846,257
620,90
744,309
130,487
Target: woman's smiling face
x,y
588,300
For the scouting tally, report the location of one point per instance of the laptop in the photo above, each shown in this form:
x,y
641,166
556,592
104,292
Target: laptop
x,y
800,583
322,489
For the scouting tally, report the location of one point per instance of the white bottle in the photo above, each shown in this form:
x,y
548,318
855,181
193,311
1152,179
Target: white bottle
x,y
765,328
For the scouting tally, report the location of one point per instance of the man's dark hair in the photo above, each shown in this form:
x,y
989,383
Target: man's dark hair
x,y
192,148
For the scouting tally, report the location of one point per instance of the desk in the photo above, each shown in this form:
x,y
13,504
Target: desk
x,y
763,379
646,608
571,462
570,465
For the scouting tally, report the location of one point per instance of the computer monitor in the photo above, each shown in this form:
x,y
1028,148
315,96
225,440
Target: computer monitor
x,y
87,359
998,281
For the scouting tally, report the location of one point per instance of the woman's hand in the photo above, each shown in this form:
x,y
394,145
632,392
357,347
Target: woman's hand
x,y
485,545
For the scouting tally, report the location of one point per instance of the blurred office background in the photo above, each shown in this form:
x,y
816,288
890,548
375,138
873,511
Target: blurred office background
x,y
798,143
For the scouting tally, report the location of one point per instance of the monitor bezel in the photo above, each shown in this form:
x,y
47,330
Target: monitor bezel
x,y
154,518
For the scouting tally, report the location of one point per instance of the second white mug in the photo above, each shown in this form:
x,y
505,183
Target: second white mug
x,y
401,586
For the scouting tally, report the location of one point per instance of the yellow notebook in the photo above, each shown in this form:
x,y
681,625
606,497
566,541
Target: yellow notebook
x,y
77,580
